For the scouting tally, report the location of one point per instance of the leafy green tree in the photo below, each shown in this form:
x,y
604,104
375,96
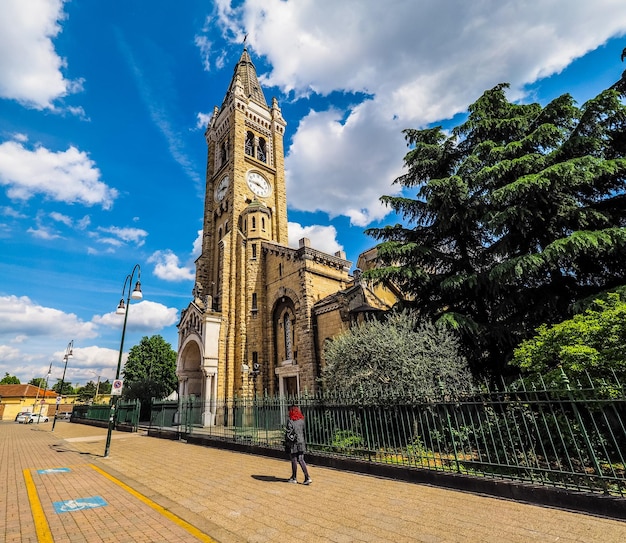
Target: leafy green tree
x,y
87,392
519,214
68,389
38,382
9,380
400,357
105,387
591,344
150,371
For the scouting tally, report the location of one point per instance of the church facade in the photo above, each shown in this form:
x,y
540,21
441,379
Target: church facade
x,y
261,311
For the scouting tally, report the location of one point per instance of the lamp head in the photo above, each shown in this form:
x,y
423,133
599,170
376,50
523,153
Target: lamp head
x,y
137,295
121,309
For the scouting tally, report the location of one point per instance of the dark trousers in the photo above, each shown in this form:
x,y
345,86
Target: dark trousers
x,y
298,458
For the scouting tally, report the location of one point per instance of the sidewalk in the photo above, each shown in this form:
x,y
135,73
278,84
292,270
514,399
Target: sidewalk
x,y
153,490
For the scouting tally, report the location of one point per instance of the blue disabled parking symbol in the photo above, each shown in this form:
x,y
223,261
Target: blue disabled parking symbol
x,y
79,504
53,470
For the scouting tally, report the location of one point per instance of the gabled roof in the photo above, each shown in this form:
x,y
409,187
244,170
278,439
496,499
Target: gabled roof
x,y
246,73
24,391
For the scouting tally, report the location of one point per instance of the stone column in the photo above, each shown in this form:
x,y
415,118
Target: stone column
x,y
209,403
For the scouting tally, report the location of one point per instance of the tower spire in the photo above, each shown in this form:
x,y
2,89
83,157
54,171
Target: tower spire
x,y
245,72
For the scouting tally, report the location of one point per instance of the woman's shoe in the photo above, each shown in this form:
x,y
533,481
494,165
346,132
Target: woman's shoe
x,y
307,482
294,481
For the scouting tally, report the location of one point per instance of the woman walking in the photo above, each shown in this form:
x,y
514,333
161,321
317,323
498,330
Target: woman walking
x,y
295,443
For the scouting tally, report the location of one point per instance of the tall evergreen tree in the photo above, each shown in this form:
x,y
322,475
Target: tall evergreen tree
x,y
519,215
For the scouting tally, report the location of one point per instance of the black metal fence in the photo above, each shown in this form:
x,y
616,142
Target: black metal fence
x,y
569,437
127,413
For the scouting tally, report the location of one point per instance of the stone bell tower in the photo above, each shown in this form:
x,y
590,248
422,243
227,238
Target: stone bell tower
x,y
245,204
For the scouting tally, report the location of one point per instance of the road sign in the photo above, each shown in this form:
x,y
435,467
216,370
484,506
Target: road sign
x,y
116,389
58,400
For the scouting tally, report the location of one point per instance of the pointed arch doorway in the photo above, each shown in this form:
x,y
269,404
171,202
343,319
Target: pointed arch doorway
x,y
286,347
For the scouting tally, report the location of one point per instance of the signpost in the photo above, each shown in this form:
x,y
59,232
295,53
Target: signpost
x,y
116,388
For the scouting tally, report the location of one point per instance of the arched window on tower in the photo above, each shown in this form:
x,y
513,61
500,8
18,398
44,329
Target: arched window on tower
x,y
261,152
253,223
285,332
288,331
263,224
224,152
249,148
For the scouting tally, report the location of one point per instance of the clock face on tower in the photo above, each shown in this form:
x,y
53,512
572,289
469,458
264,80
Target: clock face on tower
x,y
221,189
258,184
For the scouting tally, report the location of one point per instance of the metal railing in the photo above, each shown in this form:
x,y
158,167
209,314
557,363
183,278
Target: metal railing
x,y
569,437
127,413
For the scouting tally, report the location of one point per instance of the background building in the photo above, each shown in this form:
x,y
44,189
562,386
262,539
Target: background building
x,y
17,398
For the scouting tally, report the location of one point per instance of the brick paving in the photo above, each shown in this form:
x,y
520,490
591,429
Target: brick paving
x,y
159,490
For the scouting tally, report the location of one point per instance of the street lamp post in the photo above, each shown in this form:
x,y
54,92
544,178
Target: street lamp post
x,y
45,388
123,309
69,352
95,396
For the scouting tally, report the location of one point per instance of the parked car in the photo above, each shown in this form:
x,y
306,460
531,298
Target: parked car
x,y
21,414
29,418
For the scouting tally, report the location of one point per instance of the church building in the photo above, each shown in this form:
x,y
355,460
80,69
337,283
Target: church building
x,y
261,311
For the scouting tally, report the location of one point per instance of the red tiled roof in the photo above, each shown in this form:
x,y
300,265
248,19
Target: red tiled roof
x,y
25,391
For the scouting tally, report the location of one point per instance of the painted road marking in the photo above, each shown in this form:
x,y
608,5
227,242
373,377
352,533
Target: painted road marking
x,y
159,509
41,524
79,504
43,529
53,470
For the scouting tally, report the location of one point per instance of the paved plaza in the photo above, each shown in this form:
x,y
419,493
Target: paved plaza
x,y
58,487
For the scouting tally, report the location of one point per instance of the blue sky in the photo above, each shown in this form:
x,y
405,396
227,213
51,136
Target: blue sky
x,y
103,106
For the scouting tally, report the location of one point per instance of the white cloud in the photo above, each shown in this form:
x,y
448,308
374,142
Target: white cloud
x,y
91,361
197,246
356,169
123,235
10,212
167,267
405,64
43,232
65,176
10,355
30,68
84,222
20,316
85,364
203,120
204,44
323,238
144,316
59,217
